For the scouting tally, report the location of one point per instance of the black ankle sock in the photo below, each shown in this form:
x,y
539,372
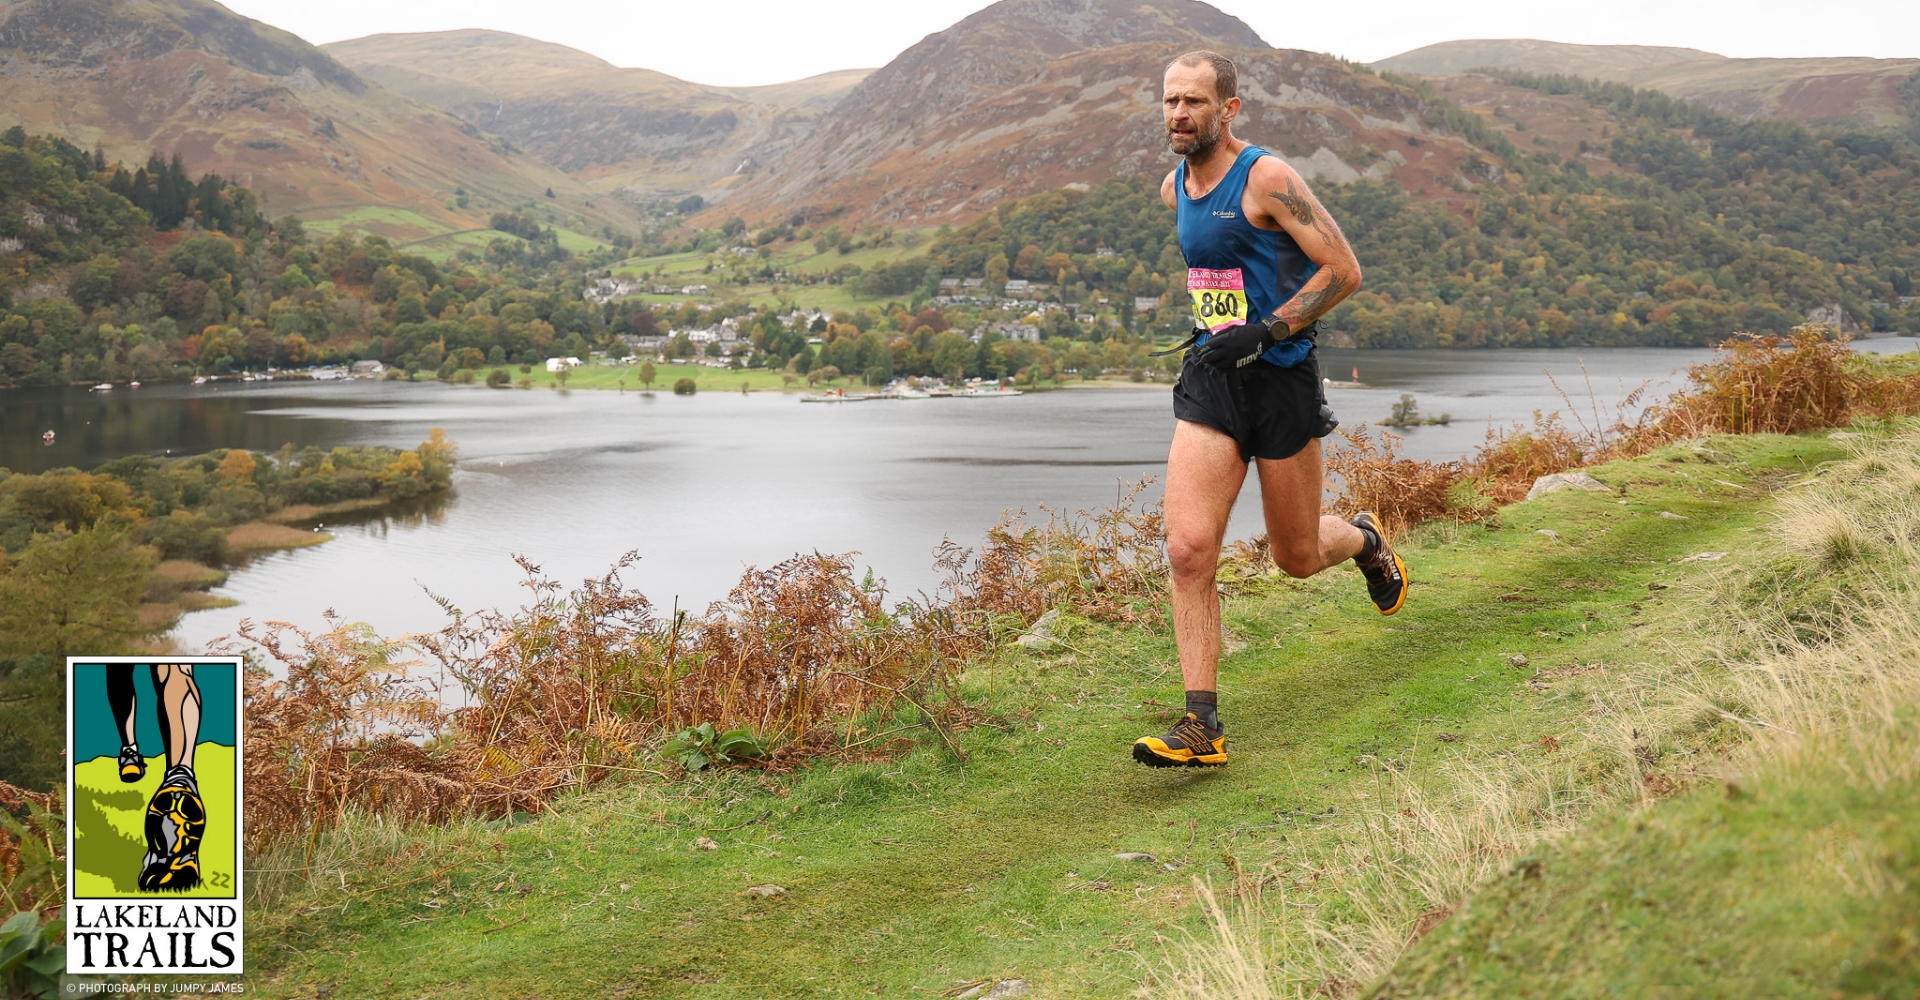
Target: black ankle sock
x,y
1369,546
1205,705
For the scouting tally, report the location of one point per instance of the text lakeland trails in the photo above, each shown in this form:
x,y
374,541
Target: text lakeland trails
x,y
98,916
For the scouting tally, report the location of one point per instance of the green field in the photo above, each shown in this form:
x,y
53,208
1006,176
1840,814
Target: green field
x,y
917,875
109,837
416,233
798,258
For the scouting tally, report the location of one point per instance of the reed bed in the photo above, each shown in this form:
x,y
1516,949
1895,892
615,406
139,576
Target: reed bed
x,y
507,709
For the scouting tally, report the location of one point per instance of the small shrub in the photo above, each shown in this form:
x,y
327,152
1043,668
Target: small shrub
x,y
499,379
684,387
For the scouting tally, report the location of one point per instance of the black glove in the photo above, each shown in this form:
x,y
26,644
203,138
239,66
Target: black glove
x,y
1236,347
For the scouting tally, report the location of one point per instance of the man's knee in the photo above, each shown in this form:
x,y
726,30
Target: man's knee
x,y
1297,562
1192,557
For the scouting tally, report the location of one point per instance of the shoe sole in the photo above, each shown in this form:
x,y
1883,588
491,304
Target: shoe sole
x,y
177,867
1145,755
1405,585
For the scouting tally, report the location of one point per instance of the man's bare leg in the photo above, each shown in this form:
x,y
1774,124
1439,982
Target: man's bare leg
x,y
1303,541
177,816
1204,475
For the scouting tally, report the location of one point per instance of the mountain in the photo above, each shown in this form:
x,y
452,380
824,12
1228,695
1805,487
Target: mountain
x,y
1032,95
1605,62
259,105
1847,92
605,124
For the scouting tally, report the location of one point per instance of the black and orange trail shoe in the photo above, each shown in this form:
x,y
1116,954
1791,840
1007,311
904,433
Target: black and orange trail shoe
x,y
133,767
176,820
1188,744
1386,574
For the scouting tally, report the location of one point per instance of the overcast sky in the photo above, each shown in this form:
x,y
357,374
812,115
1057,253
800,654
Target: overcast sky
x,y
748,42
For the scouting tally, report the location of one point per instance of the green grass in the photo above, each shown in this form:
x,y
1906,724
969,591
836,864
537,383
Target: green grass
x,y
690,269
910,876
110,820
416,233
1735,895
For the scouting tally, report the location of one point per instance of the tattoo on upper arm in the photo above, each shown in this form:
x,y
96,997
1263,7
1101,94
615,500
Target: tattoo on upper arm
x,y
1297,204
1309,213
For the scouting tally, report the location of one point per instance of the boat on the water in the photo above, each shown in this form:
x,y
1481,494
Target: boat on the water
x,y
103,387
836,396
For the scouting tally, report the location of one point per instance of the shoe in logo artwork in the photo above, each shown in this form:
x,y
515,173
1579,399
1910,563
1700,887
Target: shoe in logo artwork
x,y
1188,744
133,767
176,821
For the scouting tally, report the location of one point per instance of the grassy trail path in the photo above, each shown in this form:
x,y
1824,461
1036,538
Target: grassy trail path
x,y
913,876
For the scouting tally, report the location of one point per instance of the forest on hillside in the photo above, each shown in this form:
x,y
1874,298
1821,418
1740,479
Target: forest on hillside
x,y
1716,226
1713,226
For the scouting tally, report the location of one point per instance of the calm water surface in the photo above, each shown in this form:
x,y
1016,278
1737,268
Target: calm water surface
x,y
706,486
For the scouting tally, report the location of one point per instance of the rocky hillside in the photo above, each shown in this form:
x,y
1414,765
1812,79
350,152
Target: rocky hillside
x,y
608,125
251,102
1859,93
1032,95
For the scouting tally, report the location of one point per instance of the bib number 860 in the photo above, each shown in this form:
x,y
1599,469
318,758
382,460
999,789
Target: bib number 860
x,y
1225,305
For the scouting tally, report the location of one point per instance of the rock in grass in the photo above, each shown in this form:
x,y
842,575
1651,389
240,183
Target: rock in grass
x,y
767,891
1516,660
1001,990
705,844
1567,481
1705,557
1134,856
1671,516
1549,532
1040,636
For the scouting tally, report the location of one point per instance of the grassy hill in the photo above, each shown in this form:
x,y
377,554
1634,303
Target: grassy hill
x,y
1845,92
262,107
1384,770
611,126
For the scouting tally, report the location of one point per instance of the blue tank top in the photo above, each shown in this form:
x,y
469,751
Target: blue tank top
x,y
1238,271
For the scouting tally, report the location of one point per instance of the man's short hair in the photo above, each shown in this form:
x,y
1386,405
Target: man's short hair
x,y
1226,79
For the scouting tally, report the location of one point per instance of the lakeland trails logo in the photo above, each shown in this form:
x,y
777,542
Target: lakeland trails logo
x,y
154,818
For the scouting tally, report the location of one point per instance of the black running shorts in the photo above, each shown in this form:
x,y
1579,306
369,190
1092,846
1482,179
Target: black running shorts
x,y
1274,413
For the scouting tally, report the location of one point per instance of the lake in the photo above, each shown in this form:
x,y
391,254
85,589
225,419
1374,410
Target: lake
x,y
703,487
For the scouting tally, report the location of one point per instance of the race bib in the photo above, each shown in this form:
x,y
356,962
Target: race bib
x,y
1219,298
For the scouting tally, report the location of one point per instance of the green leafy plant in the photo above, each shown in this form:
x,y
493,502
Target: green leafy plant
x,y
32,955
699,746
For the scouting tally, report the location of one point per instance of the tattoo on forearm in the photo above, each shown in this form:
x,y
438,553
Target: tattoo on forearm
x,y
1310,303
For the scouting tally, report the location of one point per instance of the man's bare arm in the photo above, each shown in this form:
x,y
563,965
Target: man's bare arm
x,y
1289,203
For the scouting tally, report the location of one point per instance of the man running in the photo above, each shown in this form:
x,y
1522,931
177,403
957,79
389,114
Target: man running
x,y
176,815
1265,261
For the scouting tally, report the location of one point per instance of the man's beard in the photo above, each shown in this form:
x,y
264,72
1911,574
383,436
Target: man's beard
x,y
1205,137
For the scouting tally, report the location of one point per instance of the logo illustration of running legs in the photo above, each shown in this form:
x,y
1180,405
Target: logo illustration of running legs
x,y
176,815
155,777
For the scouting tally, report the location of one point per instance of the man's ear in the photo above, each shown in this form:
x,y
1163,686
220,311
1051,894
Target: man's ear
x,y
1230,110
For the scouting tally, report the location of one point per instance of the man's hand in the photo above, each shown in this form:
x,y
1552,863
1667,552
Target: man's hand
x,y
1237,346
1287,204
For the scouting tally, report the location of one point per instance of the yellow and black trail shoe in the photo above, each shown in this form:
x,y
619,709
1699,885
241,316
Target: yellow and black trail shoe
x,y
1386,574
1188,744
133,767
176,820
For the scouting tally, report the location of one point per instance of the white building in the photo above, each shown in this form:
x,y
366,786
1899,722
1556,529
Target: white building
x,y
556,364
